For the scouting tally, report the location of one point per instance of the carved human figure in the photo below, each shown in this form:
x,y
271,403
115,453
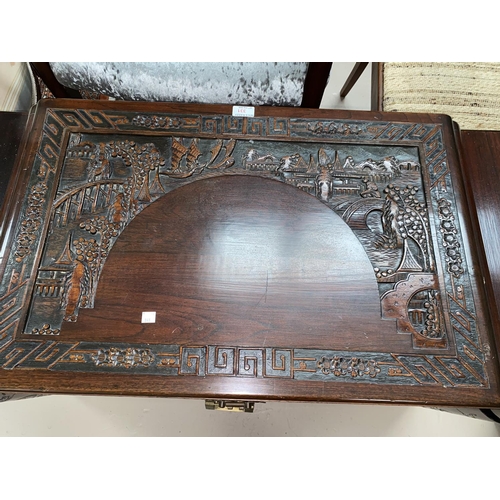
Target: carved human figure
x,y
100,167
324,184
371,190
73,291
117,209
287,162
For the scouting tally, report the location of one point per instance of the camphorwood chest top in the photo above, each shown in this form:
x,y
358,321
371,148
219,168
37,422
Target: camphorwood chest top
x,y
170,250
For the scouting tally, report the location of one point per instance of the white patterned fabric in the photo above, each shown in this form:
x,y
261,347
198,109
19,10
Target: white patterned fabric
x,y
224,83
468,92
17,87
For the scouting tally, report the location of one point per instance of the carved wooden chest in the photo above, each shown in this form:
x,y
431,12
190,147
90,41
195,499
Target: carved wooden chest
x,y
313,255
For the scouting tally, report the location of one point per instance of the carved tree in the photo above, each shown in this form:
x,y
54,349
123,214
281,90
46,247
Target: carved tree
x,y
143,158
404,217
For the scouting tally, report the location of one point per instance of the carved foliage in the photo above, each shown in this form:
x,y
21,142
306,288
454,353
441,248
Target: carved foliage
x,y
126,358
433,318
348,367
45,330
405,217
32,221
333,128
450,242
89,255
143,158
155,122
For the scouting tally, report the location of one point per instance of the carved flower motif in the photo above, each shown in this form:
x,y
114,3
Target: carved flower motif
x,y
456,268
30,224
448,226
126,358
444,210
324,365
372,369
45,330
26,239
449,238
345,367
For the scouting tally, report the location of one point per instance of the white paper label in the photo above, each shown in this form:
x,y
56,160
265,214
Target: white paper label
x,y
243,111
149,317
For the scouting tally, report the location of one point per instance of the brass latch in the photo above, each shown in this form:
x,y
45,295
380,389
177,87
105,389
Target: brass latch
x,y
246,406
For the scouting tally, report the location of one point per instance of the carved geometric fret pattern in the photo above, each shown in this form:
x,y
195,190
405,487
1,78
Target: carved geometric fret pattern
x,y
298,364
466,368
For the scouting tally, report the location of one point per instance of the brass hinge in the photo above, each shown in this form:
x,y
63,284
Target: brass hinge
x,y
246,406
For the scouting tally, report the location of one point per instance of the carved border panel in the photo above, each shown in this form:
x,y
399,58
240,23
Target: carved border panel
x,y
39,346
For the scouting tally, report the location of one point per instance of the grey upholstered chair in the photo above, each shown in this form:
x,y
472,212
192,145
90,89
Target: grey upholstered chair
x,y
245,83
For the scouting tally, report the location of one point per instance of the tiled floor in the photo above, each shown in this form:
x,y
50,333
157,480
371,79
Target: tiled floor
x,y
114,416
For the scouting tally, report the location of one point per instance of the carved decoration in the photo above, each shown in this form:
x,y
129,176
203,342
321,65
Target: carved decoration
x,y
45,330
154,122
32,221
93,213
405,217
127,358
331,128
305,364
416,305
450,242
348,367
433,317
143,159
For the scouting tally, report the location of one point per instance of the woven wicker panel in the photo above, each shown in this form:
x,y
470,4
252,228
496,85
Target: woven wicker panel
x,y
468,92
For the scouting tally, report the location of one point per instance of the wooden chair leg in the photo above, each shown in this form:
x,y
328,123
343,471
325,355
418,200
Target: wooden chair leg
x,y
377,86
44,71
315,84
353,77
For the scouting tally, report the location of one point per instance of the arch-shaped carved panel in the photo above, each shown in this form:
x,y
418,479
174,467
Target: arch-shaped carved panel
x,y
237,260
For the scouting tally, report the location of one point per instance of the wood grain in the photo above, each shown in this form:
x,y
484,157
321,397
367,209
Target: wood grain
x,y
12,127
481,167
239,260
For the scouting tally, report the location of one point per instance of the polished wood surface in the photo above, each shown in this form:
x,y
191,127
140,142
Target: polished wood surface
x,y
261,290
315,83
353,77
377,95
11,130
377,83
481,162
45,73
239,260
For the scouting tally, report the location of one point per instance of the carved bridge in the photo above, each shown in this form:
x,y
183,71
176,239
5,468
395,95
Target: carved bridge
x,y
356,214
